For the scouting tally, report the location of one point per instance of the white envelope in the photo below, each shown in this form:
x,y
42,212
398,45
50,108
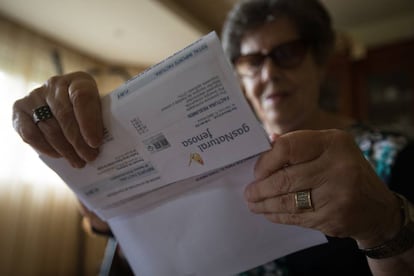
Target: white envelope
x,y
207,230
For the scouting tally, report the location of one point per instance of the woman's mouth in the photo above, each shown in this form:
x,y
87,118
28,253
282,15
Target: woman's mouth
x,y
275,98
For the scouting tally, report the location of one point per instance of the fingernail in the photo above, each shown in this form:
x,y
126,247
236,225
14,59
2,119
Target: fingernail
x,y
91,155
94,143
78,164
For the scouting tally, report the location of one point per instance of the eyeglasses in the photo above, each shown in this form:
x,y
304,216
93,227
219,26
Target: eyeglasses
x,y
287,56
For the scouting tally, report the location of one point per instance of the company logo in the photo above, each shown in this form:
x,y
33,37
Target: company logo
x,y
196,157
206,140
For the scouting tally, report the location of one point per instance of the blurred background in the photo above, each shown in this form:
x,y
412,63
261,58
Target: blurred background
x,y
371,78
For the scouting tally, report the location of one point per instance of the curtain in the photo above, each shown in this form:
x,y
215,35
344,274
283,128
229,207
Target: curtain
x,y
40,231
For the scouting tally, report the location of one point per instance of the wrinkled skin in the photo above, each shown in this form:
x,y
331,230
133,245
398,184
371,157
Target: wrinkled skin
x,y
75,131
349,200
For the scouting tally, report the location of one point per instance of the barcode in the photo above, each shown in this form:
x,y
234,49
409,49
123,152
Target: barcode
x,y
156,143
139,126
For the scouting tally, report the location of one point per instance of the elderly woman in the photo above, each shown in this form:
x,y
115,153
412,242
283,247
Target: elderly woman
x,y
279,49
314,176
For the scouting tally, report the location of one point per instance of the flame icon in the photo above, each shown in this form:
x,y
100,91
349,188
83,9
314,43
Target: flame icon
x,y
196,157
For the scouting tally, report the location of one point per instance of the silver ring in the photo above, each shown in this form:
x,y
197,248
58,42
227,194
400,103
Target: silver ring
x,y
41,113
303,200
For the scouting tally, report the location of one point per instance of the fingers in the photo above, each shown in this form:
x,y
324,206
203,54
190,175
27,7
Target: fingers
x,y
289,179
295,163
30,133
65,120
284,204
292,148
56,138
348,198
45,136
78,95
75,130
87,109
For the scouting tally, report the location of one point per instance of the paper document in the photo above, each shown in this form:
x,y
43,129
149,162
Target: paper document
x,y
179,147
181,118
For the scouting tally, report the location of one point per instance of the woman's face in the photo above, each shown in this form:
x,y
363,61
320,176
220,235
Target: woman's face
x,y
285,98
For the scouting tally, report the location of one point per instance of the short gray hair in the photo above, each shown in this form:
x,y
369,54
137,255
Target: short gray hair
x,y
310,18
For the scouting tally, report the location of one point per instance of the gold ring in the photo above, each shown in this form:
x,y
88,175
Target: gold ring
x,y
303,200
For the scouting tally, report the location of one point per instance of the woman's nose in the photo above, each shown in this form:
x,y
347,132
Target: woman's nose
x,y
270,70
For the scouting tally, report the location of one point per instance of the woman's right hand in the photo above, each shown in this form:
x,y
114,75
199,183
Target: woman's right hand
x,y
75,130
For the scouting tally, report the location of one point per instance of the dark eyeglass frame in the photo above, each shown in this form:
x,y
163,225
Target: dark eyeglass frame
x,y
287,55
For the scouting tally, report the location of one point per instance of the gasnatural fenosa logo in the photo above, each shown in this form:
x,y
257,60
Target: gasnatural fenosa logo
x,y
196,157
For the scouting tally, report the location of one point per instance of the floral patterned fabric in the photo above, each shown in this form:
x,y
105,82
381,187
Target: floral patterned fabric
x,y
381,150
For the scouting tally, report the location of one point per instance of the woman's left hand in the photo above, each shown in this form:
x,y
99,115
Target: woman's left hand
x,y
348,198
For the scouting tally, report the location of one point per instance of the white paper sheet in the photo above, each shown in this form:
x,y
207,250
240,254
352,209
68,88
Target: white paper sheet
x,y
181,118
169,178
